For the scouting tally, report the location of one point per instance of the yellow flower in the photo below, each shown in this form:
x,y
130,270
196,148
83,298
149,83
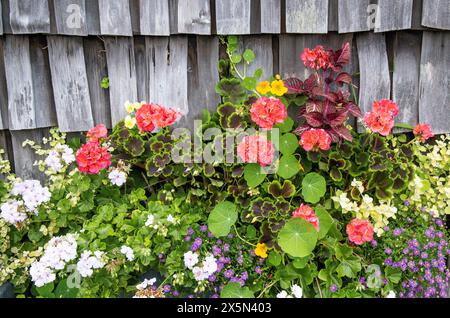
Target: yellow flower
x,y
261,250
139,105
263,87
130,122
129,107
278,87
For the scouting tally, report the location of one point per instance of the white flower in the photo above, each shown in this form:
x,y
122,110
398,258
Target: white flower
x,y
128,252
41,274
199,273
89,261
146,283
53,161
190,259
359,185
10,212
391,294
32,193
209,265
117,177
171,219
283,294
297,291
150,220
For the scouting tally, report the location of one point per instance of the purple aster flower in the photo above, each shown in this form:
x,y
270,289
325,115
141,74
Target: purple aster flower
x,y
374,243
244,275
405,251
397,232
176,293
240,260
362,280
386,228
216,250
228,273
411,264
434,263
230,236
190,231
215,296
443,294
198,241
258,270
167,288
439,222
333,288
388,251
406,203
210,235
187,238
212,278
203,228
226,247
424,255
220,266
219,242
388,261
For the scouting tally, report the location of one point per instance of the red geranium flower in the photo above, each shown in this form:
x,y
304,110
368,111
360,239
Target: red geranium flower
x,y
385,106
92,157
360,231
381,123
423,132
266,112
97,133
256,149
315,139
317,58
151,116
305,212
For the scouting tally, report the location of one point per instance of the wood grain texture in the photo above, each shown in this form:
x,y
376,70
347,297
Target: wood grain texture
x,y
233,16
5,144
1,20
434,100
436,14
394,15
19,81
307,16
354,16
115,17
122,75
142,71
45,113
416,20
271,16
5,17
70,84
3,91
29,16
405,80
374,69
193,17
203,54
261,45
333,23
92,17
168,71
154,17
96,70
24,158
70,17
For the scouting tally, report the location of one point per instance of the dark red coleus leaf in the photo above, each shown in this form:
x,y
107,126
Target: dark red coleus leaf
x,y
313,106
342,57
354,109
343,78
301,129
294,85
342,132
338,118
314,119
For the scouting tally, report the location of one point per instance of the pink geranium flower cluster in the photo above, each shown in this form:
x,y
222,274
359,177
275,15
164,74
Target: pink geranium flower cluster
x,y
318,58
307,213
360,231
423,132
92,157
256,149
382,117
315,139
151,116
268,111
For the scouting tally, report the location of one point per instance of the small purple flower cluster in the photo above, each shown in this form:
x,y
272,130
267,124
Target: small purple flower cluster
x,y
422,261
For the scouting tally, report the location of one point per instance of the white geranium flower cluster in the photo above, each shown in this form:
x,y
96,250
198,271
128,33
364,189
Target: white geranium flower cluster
x,y
207,268
58,252
151,222
59,157
29,196
128,252
296,292
146,283
117,177
88,262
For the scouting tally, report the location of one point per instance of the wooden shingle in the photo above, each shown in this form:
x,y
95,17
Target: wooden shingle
x,y
434,101
192,17
375,83
436,14
154,17
142,72
92,17
307,16
70,17
261,45
122,75
270,16
394,15
70,84
29,16
1,20
356,15
115,17
234,16
3,91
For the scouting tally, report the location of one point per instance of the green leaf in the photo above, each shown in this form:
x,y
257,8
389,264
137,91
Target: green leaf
x,y
274,259
325,221
104,231
286,126
234,290
236,58
251,232
258,73
46,290
298,238
249,83
288,144
404,126
222,218
249,56
300,262
254,175
63,291
349,267
288,167
314,187
393,275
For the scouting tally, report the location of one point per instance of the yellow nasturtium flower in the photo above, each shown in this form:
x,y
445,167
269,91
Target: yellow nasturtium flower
x,y
130,122
129,107
138,105
261,250
278,87
263,88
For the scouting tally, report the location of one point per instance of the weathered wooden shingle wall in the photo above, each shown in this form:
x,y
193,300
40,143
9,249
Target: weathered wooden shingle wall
x,y
54,54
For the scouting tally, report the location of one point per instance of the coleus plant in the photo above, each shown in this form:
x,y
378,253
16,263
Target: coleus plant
x,y
328,106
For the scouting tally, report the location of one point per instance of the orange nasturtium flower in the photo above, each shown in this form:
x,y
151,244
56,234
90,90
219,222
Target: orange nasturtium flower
x,y
261,250
278,87
263,88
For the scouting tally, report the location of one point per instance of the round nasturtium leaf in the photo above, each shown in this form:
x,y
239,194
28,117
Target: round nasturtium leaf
x,y
285,126
234,290
288,167
254,175
298,238
222,218
288,144
325,221
314,187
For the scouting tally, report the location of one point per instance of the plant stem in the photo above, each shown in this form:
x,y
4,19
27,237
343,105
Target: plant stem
x,y
265,289
318,286
237,234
